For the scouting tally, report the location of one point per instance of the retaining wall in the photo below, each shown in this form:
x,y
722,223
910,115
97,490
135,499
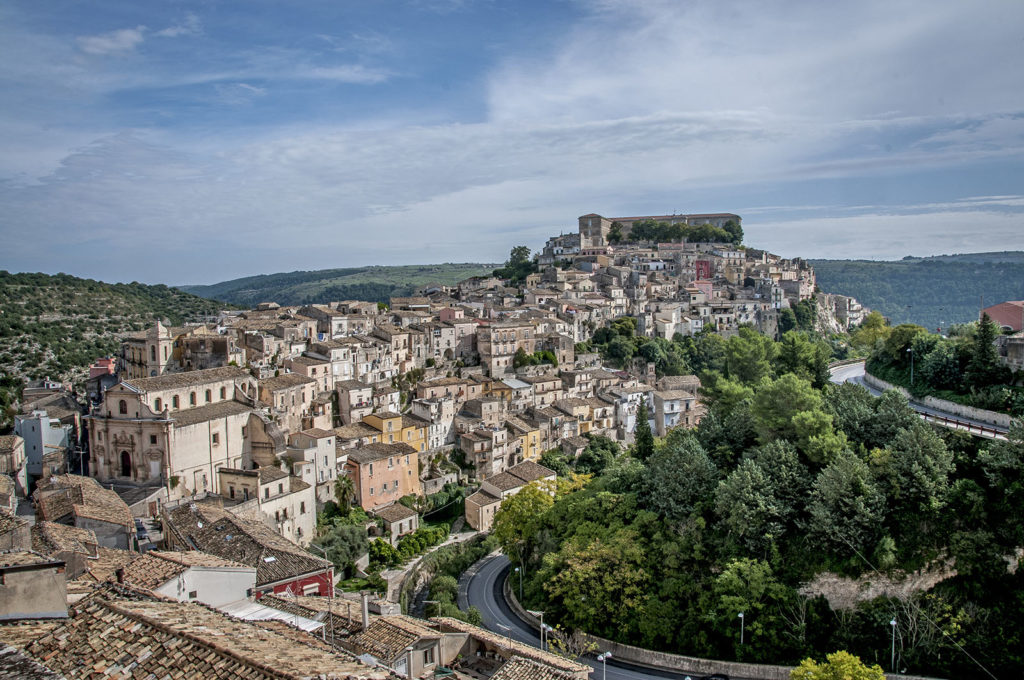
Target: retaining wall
x,y
676,662
951,407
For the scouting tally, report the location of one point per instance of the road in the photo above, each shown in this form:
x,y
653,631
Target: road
x,y
855,373
483,591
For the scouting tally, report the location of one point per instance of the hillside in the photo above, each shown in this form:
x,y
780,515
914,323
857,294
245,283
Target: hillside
x,y
57,325
934,292
375,284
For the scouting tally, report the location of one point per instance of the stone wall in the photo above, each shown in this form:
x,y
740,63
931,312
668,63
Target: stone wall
x,y
951,407
676,662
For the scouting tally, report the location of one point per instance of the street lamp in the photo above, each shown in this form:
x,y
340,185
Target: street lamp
x,y
892,660
519,571
330,595
546,632
603,658
910,351
742,621
540,615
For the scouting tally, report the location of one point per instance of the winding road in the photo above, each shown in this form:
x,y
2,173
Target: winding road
x,y
854,373
482,589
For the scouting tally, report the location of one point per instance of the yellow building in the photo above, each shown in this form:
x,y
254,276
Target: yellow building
x,y
396,428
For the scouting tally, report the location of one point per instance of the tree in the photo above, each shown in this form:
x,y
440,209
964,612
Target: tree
x,y
600,583
983,367
777,401
598,455
734,230
680,479
383,553
838,666
643,446
344,492
516,519
344,544
615,233
749,356
845,506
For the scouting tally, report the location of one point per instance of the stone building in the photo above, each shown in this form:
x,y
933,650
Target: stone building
x,y
176,430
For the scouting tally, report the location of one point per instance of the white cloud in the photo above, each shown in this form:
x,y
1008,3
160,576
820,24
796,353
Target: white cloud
x,y
345,73
115,42
190,26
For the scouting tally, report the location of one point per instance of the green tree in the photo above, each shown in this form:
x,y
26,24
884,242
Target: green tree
x,y
643,445
598,454
344,544
776,402
983,367
615,233
680,479
749,356
516,521
845,508
600,583
344,492
838,666
383,554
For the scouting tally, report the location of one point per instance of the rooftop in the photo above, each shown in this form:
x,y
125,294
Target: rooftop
x,y
285,381
172,381
253,544
127,635
64,495
203,414
369,453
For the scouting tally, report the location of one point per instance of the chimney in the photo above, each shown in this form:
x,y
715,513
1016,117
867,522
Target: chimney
x,y
408,662
120,575
365,597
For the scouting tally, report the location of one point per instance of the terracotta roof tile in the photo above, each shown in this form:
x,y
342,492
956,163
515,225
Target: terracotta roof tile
x,y
218,532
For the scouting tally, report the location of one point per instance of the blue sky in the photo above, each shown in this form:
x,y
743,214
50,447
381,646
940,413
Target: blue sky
x,y
194,142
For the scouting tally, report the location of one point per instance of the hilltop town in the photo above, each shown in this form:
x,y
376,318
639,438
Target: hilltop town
x,y
235,435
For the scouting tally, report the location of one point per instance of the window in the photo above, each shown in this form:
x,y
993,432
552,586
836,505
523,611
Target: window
x,y
152,439
209,396
371,469
152,352
280,487
223,393
159,405
231,491
371,490
266,492
428,656
302,508
284,514
216,438
391,463
277,515
192,398
396,484
122,407
175,402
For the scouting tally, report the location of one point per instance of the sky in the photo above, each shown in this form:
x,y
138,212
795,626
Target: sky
x,y
188,141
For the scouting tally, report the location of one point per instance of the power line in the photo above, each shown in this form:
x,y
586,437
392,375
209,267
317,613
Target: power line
x,y
923,614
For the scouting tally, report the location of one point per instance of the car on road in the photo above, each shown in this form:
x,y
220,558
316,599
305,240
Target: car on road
x,y
140,531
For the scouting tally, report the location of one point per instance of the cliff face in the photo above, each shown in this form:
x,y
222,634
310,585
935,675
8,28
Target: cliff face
x,y
838,313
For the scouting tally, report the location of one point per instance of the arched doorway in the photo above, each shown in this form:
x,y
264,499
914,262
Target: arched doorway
x,y
126,464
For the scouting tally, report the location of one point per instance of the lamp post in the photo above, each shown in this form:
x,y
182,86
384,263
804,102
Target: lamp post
x,y
546,631
520,572
892,659
910,351
330,595
540,615
603,658
742,619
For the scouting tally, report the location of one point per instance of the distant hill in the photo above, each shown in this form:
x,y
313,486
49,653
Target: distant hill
x,y
57,325
934,292
374,284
